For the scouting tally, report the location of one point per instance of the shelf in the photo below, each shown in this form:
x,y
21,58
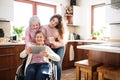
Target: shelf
x,y
68,15
72,16
114,23
72,25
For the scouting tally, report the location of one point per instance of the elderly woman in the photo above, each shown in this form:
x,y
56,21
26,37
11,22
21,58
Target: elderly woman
x,y
34,25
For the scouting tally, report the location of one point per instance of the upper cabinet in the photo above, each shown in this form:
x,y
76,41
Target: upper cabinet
x,y
72,15
6,10
112,15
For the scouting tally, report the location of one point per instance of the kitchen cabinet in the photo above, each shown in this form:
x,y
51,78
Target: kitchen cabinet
x,y
79,54
67,63
112,15
72,16
9,61
105,54
6,10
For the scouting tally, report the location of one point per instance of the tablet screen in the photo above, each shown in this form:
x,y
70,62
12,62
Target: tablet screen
x,y
37,49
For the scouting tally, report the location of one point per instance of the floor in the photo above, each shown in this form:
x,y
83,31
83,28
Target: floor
x,y
69,74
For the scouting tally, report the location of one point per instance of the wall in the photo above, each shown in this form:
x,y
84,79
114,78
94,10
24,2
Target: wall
x,y
6,26
61,4
84,28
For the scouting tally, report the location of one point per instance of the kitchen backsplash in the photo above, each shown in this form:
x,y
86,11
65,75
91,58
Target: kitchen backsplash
x,y
6,28
73,32
73,29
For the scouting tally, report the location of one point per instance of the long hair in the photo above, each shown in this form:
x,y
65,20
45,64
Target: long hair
x,y
59,26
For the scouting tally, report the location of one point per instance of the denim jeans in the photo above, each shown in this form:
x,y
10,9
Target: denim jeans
x,y
60,51
35,71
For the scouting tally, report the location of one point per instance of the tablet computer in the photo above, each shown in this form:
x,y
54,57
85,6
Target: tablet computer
x,y
37,49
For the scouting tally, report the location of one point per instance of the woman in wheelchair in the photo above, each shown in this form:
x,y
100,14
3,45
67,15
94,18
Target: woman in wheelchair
x,y
38,59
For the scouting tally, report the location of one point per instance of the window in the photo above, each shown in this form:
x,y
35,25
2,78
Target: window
x,y
24,9
45,13
22,13
98,20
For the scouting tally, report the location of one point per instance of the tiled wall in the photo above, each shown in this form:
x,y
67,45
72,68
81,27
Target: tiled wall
x,y
6,28
73,29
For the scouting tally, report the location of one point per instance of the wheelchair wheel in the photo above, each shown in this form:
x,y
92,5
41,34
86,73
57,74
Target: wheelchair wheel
x,y
54,72
19,73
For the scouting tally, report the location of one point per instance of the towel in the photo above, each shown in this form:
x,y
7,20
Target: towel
x,y
71,53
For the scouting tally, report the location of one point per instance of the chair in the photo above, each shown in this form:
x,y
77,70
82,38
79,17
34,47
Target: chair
x,y
20,71
88,68
108,72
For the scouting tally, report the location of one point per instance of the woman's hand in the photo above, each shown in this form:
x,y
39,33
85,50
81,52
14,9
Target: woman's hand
x,y
28,50
54,45
44,53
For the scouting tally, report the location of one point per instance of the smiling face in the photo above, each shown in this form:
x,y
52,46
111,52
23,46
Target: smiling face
x,y
54,22
39,38
35,25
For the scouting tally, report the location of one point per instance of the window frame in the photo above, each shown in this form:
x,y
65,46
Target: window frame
x,y
92,15
34,4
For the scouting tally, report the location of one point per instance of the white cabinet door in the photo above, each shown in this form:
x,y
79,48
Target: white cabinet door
x,y
76,15
112,15
73,19
6,10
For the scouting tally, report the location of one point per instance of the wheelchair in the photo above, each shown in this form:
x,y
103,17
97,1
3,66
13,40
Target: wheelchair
x,y
20,71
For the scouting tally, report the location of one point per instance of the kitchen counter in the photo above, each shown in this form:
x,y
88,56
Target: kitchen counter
x,y
22,42
107,53
12,43
91,41
114,48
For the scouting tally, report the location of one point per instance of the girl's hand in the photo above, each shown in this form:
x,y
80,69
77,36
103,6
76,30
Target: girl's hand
x,y
44,53
28,50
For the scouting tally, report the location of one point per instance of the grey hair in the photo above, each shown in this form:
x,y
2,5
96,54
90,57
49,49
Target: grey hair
x,y
34,18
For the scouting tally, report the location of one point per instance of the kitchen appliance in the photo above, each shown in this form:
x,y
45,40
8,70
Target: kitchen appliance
x,y
113,3
113,11
74,36
72,2
1,33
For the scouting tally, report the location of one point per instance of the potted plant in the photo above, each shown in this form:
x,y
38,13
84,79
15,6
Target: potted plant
x,y
18,31
96,34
